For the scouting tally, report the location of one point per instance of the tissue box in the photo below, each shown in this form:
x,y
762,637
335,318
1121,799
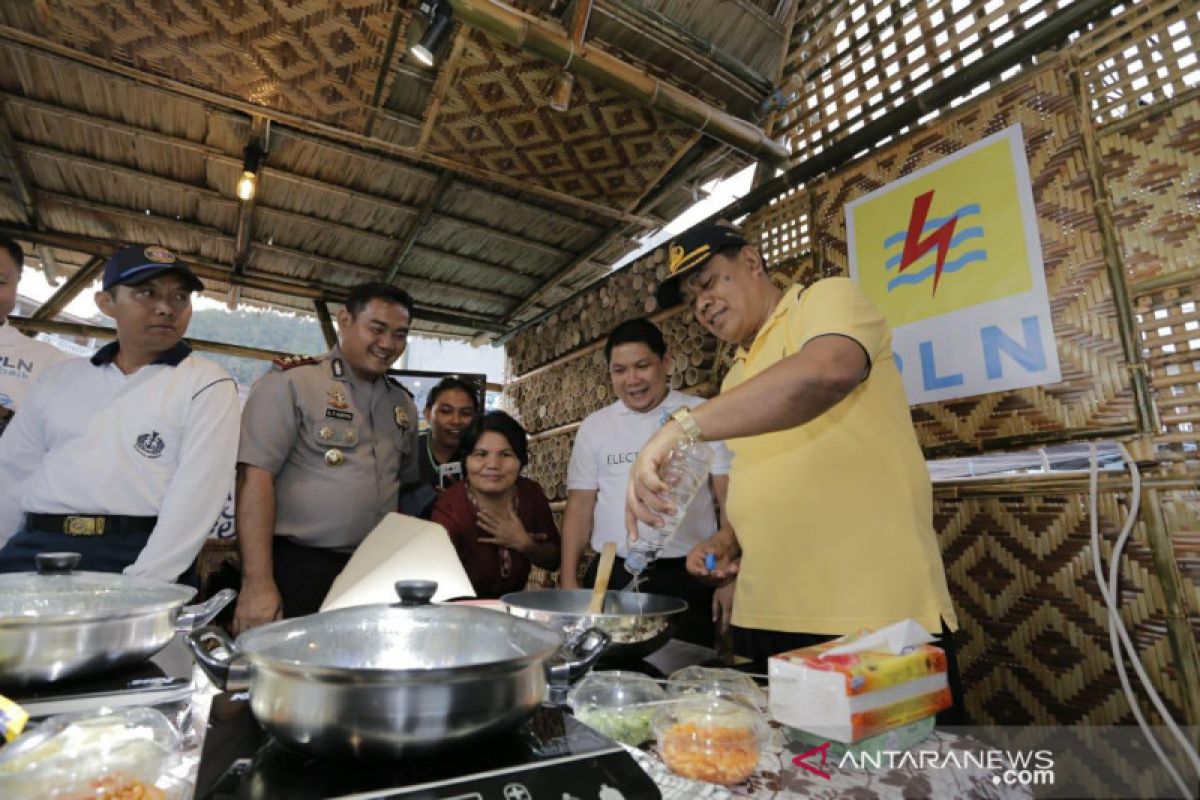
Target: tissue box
x,y
849,697
897,740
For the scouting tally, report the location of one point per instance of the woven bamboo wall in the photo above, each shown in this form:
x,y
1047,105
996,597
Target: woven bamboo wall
x,y
1034,644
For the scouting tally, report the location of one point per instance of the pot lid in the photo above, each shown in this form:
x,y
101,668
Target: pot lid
x,y
398,638
57,592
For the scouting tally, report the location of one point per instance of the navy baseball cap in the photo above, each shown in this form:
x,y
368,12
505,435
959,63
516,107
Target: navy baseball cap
x,y
690,252
135,263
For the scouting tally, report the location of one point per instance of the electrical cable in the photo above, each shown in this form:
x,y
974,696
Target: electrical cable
x,y
1118,634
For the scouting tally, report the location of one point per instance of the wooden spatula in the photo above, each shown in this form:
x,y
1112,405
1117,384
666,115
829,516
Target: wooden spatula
x,y
603,573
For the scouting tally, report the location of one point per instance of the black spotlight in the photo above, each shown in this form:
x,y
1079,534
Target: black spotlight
x,y
440,19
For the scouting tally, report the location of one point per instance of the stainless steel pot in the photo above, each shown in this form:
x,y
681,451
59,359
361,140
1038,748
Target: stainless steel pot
x,y
384,680
59,623
638,623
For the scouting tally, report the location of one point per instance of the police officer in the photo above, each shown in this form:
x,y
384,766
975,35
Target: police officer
x,y
325,445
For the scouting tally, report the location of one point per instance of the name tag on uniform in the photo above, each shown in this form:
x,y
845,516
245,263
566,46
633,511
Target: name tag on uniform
x,y
342,415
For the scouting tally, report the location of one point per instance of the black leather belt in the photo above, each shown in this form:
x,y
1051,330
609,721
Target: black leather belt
x,y
85,525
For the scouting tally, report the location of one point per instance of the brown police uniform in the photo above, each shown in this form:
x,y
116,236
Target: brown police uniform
x,y
339,448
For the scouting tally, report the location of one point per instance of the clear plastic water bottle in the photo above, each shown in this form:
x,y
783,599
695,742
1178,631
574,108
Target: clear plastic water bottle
x,y
686,469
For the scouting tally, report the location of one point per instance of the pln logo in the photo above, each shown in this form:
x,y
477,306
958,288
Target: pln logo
x,y
953,244
948,238
950,255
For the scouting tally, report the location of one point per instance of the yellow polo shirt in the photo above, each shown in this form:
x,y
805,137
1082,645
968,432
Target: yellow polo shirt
x,y
834,516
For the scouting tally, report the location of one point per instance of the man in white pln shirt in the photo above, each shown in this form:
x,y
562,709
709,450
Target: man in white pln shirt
x,y
125,457
22,359
605,448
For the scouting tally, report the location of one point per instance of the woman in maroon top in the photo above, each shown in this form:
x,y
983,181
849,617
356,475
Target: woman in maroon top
x,y
500,523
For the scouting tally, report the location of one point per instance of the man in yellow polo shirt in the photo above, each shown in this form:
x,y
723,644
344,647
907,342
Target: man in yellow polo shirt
x,y
829,498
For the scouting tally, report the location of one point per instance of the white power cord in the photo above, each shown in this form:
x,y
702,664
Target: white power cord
x,y
1118,635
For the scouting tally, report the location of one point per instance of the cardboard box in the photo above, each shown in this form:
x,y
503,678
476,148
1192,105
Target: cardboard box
x,y
848,697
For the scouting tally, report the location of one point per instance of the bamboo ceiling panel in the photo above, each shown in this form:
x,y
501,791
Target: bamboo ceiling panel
x,y
851,63
1146,54
1169,326
1152,170
1034,645
1094,395
495,115
313,58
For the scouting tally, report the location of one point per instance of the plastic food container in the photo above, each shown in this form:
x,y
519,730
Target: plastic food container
x,y
620,705
710,739
110,754
714,682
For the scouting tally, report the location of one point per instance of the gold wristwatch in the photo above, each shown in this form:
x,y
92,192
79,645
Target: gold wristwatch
x,y
683,415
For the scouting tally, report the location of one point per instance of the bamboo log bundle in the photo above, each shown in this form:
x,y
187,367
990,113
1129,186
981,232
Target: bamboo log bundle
x,y
591,316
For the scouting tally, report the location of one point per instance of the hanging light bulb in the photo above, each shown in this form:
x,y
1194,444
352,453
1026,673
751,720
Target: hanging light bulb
x,y
560,98
246,185
251,160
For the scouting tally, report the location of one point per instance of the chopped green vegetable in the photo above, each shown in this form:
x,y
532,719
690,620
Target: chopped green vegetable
x,y
629,725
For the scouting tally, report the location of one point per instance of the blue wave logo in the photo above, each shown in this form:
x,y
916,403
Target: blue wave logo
x,y
955,258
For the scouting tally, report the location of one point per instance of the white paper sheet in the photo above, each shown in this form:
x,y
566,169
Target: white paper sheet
x,y
400,548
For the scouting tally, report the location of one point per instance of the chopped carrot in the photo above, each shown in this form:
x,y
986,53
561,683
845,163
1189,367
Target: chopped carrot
x,y
723,755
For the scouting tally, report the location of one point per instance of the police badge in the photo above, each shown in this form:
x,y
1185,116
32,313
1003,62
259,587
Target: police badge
x,y
401,417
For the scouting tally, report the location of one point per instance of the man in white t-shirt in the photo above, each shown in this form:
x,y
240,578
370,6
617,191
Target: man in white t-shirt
x,y
606,445
21,358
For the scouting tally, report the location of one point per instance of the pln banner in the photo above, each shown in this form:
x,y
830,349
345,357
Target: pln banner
x,y
950,254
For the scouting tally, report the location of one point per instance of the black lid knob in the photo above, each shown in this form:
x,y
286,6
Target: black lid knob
x,y
56,563
415,593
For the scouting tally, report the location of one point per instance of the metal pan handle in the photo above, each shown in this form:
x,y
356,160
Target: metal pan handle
x,y
192,617
573,660
224,664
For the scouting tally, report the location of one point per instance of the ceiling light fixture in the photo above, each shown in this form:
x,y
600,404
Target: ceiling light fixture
x,y
251,160
440,19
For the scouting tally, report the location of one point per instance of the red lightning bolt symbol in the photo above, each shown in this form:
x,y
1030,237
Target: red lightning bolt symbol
x,y
915,246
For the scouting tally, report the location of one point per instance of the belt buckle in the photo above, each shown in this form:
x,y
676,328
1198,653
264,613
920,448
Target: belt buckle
x,y
83,526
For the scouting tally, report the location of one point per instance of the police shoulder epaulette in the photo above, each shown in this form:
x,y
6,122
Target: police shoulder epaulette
x,y
288,362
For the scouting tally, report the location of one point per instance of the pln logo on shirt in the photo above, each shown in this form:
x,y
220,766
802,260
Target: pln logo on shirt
x,y
950,239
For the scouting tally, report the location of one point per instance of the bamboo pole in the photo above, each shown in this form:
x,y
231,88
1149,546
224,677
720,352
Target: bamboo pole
x,y
327,329
1179,631
81,280
1111,248
210,270
30,325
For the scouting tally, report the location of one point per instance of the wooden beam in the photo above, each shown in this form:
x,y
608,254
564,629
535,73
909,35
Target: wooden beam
x,y
327,329
113,127
503,271
209,270
554,282
28,41
215,234
30,325
415,226
81,280
17,172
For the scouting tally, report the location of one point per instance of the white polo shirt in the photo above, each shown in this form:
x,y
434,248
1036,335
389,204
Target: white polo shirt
x,y
606,445
22,360
161,442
